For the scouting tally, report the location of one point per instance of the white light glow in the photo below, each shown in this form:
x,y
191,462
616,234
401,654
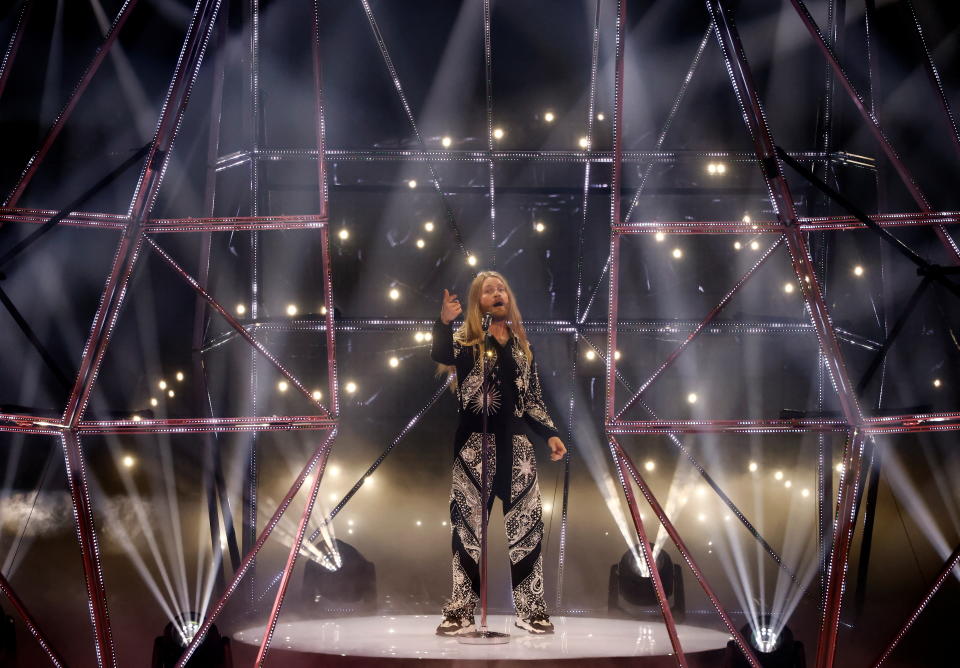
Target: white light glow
x,y
180,376
412,183
858,270
344,234
428,336
737,245
660,236
428,226
317,395
498,133
754,245
549,117
350,387
446,142
539,227
747,218
788,288
334,470
804,492
600,116
616,354
584,143
421,243
753,467
712,168
283,386
937,382
650,465
547,507
291,309
154,402
472,260
394,362
721,168
677,253
419,523
241,309
591,355
418,337
162,384
394,294
788,484
692,398
171,394
135,417
128,461
778,475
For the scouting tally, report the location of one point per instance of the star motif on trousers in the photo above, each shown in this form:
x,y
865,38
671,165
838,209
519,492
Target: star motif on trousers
x,y
525,467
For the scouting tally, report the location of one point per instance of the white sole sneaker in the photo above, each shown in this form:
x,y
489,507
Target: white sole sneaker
x,y
530,628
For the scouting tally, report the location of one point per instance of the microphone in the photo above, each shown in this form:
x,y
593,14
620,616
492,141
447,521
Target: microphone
x,y
485,323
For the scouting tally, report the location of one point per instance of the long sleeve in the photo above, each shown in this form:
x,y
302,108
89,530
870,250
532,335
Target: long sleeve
x,y
443,349
535,409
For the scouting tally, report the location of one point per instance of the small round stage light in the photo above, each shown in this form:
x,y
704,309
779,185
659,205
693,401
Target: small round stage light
x,y
549,117
840,467
778,475
446,142
788,288
677,253
590,355
539,227
418,337
721,168
394,294
154,402
421,243
350,387
428,226
368,481
650,465
323,310
128,461
600,116
472,260
162,384
135,417
317,395
692,398
334,470
659,236
291,309
344,234
547,507
937,382
788,484
241,309
804,492
283,386
498,133
754,245
701,517
858,270
428,336
412,183
419,523
616,354
180,376
712,168
394,362
584,143
753,466
737,245
747,219
333,496
701,490
171,394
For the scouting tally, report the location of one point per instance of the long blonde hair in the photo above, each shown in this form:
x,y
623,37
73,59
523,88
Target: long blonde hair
x,y
470,333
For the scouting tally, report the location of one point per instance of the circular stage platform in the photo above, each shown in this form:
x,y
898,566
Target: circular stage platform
x,y
412,637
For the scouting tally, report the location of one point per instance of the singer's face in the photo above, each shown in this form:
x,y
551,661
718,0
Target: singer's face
x,y
494,298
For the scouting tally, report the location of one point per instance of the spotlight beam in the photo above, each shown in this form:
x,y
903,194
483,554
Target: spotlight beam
x,y
684,552
672,357
32,626
321,452
872,124
948,567
61,120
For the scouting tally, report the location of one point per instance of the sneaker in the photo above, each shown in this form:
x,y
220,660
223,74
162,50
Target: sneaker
x,y
537,624
454,626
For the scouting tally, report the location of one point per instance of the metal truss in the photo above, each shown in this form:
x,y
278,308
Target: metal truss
x,y
139,231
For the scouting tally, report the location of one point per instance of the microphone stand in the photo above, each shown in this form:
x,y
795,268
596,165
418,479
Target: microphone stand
x,y
483,636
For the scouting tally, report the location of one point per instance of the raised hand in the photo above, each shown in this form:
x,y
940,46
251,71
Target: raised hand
x,y
450,309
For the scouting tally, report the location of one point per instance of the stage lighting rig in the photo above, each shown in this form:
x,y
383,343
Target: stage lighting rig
x,y
339,580
213,652
631,589
773,648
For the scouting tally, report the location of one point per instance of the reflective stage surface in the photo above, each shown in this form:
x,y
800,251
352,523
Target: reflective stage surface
x,y
412,636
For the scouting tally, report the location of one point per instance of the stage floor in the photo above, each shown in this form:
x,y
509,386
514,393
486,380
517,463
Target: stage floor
x,y
412,636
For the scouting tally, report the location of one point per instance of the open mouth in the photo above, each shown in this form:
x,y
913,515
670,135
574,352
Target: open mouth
x,y
497,304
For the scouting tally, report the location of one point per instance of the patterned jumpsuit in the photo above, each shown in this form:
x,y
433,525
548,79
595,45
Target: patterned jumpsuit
x,y
515,409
